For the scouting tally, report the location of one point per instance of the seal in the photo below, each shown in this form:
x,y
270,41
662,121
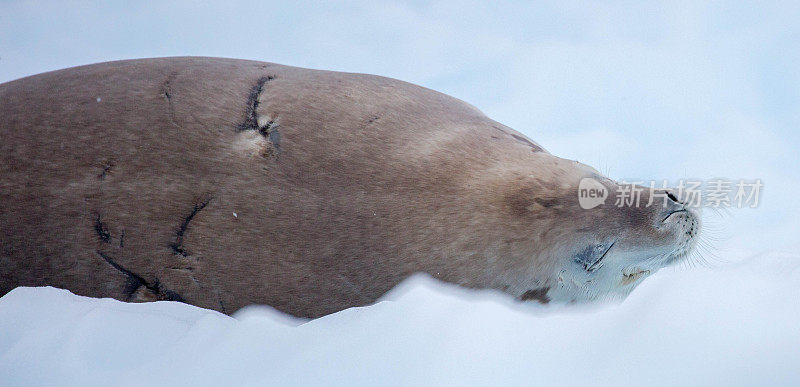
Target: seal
x,y
223,183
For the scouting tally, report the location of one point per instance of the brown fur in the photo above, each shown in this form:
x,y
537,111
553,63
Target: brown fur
x,y
122,179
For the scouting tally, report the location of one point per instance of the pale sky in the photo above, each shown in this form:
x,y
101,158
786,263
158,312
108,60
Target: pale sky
x,y
668,90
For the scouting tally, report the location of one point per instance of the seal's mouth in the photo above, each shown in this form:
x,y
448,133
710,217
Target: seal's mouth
x,y
632,275
673,213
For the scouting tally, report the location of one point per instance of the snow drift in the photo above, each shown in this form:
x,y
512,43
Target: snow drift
x,y
733,325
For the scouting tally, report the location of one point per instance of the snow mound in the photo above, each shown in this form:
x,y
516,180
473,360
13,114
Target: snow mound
x,y
732,325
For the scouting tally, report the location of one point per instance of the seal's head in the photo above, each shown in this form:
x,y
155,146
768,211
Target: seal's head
x,y
596,238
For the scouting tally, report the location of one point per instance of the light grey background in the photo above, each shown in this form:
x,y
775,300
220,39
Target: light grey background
x,y
639,91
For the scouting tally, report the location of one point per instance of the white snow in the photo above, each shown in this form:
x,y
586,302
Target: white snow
x,y
731,325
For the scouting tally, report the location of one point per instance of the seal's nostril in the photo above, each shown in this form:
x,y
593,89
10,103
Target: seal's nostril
x,y
672,197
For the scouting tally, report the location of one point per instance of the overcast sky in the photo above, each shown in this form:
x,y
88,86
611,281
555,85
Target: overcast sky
x,y
660,91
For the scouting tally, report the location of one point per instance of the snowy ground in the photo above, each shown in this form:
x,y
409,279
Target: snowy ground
x,y
639,90
731,325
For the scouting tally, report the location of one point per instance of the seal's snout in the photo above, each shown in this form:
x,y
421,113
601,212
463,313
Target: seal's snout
x,y
681,225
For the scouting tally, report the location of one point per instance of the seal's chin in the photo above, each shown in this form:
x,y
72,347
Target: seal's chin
x,y
681,249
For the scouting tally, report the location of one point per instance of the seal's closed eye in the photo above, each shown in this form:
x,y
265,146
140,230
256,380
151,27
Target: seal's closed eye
x,y
591,258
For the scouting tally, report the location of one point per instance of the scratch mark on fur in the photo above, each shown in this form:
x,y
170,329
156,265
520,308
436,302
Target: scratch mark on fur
x,y
251,115
177,246
534,147
269,130
170,295
166,90
106,170
101,230
136,281
221,305
189,270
